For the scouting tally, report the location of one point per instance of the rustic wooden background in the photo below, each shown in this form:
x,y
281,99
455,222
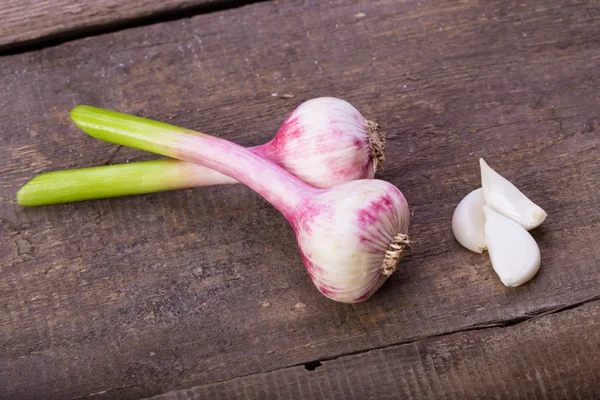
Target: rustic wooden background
x,y
201,293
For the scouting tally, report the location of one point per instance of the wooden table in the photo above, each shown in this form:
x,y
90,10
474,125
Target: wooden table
x,y
202,293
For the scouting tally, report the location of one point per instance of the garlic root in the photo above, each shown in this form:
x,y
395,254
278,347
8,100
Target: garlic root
x,y
396,250
376,143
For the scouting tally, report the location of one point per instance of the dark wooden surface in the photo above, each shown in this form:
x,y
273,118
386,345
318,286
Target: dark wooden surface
x,y
134,297
24,22
553,356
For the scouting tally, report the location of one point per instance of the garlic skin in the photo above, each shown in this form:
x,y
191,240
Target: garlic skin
x,y
514,253
468,222
325,142
352,238
506,199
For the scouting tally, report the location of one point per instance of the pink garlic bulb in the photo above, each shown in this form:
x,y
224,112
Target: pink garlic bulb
x,y
326,141
351,236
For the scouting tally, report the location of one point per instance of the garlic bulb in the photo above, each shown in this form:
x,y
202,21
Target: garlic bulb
x,y
353,238
326,141
514,253
468,221
506,199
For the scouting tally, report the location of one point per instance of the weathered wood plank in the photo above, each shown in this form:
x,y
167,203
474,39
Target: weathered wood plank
x,y
137,296
30,21
552,357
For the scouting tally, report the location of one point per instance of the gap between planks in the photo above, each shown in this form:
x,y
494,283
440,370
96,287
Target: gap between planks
x,y
69,35
314,364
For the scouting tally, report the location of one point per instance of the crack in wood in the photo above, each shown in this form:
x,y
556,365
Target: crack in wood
x,y
313,365
76,33
490,325
113,155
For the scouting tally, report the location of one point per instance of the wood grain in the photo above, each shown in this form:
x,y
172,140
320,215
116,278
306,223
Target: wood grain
x,y
137,296
550,357
30,21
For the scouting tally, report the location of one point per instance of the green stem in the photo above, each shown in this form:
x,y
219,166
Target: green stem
x,y
127,130
122,180
113,181
282,189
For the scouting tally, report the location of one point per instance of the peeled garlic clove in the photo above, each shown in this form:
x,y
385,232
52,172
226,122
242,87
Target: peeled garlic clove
x,y
506,199
468,221
514,253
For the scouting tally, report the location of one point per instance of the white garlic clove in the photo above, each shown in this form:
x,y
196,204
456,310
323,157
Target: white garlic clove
x,y
513,251
506,199
468,221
